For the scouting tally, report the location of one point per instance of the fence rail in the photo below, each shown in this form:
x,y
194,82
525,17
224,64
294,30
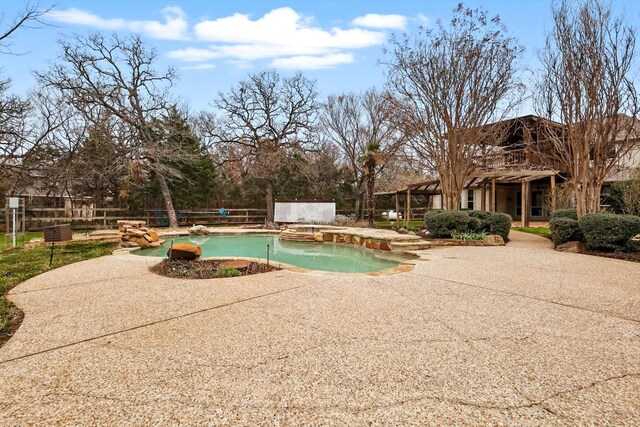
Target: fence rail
x,y
94,218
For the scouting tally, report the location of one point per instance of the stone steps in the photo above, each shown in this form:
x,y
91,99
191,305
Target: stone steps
x,y
409,246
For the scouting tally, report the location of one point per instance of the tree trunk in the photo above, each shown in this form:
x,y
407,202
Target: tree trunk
x,y
269,199
168,202
371,182
357,205
450,192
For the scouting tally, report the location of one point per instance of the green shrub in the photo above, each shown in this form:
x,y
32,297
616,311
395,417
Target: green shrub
x,y
565,230
500,224
481,215
609,231
227,272
475,224
442,223
565,213
470,235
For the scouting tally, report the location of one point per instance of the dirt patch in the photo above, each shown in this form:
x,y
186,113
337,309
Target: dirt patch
x,y
209,269
14,324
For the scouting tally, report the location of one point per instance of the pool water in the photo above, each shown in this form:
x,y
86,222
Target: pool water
x,y
312,256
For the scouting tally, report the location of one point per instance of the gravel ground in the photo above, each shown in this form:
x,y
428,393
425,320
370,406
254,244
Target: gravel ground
x,y
515,335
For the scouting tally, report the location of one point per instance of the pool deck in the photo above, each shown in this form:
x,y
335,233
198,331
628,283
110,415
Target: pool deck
x,y
514,335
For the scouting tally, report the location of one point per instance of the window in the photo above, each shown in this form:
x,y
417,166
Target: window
x,y
536,203
470,199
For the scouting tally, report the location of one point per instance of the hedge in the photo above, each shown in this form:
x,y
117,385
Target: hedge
x,y
565,213
565,230
609,231
500,224
442,223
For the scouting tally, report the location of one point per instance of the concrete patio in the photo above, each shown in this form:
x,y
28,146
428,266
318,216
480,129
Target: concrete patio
x,y
474,335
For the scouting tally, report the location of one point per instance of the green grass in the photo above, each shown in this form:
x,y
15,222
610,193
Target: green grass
x,y
29,236
18,265
540,231
389,224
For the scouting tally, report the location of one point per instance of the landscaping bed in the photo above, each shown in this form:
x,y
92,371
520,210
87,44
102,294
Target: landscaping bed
x,y
209,269
625,256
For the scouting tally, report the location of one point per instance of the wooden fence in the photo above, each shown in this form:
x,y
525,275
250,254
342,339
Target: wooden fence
x,y
96,218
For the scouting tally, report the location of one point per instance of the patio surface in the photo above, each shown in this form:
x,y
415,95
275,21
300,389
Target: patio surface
x,y
476,335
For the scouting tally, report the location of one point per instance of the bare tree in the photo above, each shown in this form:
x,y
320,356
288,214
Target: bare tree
x,y
586,83
31,14
267,117
117,75
452,81
361,126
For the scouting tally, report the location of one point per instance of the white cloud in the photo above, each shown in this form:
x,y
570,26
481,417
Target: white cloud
x,y
285,37
374,20
174,27
308,62
423,19
199,67
193,54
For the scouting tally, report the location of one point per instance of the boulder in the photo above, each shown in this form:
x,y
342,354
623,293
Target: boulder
x,y
356,240
327,237
199,229
185,251
155,244
236,263
317,237
493,240
153,234
141,241
572,247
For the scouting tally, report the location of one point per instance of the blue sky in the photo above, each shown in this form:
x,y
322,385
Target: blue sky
x,y
213,44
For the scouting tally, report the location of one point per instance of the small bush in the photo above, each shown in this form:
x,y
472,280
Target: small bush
x,y
565,230
475,224
444,223
565,213
481,215
609,231
500,224
227,272
470,235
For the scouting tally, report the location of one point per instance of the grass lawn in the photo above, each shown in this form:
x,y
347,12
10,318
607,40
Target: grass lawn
x,y
30,235
540,231
388,224
18,265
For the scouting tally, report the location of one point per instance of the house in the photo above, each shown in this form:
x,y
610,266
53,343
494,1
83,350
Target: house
x,y
511,177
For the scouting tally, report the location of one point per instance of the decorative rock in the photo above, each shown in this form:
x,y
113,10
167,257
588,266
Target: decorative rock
x,y
384,245
141,241
327,237
185,251
155,244
493,240
153,234
318,237
356,240
129,244
147,238
574,247
199,229
236,263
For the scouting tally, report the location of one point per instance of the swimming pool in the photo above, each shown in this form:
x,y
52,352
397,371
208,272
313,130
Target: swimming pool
x,y
312,256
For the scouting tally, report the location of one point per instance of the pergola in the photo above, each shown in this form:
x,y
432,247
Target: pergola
x,y
487,181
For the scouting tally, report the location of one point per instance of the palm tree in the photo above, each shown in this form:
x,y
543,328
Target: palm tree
x,y
370,160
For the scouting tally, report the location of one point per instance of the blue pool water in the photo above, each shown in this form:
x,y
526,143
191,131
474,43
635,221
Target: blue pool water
x,y
313,256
